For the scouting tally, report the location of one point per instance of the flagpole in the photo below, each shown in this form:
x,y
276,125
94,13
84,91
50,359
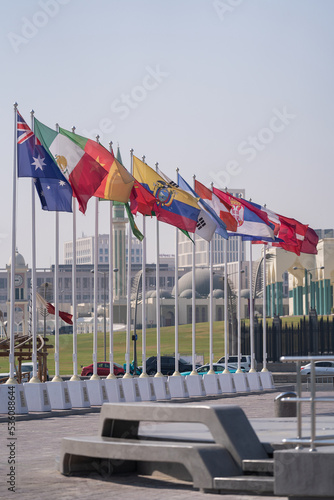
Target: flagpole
x,y
264,369
157,288
111,288
11,379
128,292
176,288
34,378
226,325
95,376
75,377
143,277
211,371
239,305
251,308
193,305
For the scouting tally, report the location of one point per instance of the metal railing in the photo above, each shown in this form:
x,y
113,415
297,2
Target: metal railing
x,y
313,440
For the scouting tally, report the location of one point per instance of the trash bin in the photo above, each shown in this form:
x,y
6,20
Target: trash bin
x,y
285,408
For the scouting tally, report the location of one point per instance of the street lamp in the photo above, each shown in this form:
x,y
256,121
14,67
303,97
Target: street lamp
x,y
119,295
307,308
104,314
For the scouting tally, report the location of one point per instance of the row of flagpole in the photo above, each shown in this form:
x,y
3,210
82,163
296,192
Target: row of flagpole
x,y
158,312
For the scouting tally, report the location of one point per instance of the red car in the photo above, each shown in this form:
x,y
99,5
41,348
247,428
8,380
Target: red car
x,y
103,369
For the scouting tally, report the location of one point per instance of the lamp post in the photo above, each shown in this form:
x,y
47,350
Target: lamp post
x,y
104,314
119,295
307,271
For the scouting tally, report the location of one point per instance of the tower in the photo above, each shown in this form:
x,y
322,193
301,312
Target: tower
x,y
21,293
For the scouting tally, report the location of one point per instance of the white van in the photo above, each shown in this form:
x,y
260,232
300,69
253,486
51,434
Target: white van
x,y
245,362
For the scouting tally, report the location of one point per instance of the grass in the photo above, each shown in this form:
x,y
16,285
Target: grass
x,y
167,342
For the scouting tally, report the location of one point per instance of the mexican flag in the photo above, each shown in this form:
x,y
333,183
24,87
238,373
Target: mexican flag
x,y
117,185
82,171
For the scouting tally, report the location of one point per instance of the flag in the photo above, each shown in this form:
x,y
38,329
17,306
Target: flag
x,y
82,171
208,221
51,309
290,234
55,194
115,186
142,200
52,187
310,242
133,224
173,205
249,223
221,208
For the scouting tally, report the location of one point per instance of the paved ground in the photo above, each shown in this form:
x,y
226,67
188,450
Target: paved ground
x,y
38,444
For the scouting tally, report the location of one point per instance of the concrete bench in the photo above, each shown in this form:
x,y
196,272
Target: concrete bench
x,y
120,448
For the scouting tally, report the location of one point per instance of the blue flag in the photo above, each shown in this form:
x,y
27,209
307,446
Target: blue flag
x,y
33,160
55,194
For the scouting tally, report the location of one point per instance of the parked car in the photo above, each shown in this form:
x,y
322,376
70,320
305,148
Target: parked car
x,y
26,372
167,365
321,368
67,329
103,369
245,362
217,368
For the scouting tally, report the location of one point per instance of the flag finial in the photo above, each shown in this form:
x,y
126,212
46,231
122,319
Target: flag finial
x,y
15,105
73,129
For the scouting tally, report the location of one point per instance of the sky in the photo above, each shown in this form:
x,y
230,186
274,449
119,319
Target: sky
x,y
235,92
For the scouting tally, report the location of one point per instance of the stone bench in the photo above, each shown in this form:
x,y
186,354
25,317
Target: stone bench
x,y
120,448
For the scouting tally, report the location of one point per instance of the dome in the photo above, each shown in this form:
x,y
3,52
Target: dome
x,y
163,293
218,293
187,294
19,260
202,278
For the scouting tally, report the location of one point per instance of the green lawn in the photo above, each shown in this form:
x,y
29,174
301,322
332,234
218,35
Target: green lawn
x,y
167,341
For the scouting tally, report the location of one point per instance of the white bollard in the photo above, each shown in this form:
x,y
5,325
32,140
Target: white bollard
x,y
227,383
178,386
114,390
12,400
241,382
212,384
146,389
254,381
195,385
97,392
267,380
59,395
78,393
37,396
161,387
131,389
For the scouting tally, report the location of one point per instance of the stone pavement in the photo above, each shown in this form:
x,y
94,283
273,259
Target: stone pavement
x,y
38,444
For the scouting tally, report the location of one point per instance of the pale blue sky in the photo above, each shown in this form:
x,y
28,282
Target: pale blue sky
x,y
237,95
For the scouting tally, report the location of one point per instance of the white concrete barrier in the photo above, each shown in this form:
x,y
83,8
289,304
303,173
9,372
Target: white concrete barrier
x,y
131,389
12,399
59,395
267,380
254,381
161,387
241,382
37,396
114,388
227,382
78,393
178,386
97,392
146,389
195,385
212,384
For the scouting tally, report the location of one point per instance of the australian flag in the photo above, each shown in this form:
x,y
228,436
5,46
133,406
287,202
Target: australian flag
x,y
33,160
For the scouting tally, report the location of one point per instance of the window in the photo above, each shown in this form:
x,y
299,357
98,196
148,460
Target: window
x,y
3,282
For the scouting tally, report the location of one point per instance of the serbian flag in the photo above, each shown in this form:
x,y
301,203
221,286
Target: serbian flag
x,y
51,309
250,222
82,171
115,186
221,208
173,205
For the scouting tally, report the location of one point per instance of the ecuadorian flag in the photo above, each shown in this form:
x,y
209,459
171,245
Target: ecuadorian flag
x,y
173,205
